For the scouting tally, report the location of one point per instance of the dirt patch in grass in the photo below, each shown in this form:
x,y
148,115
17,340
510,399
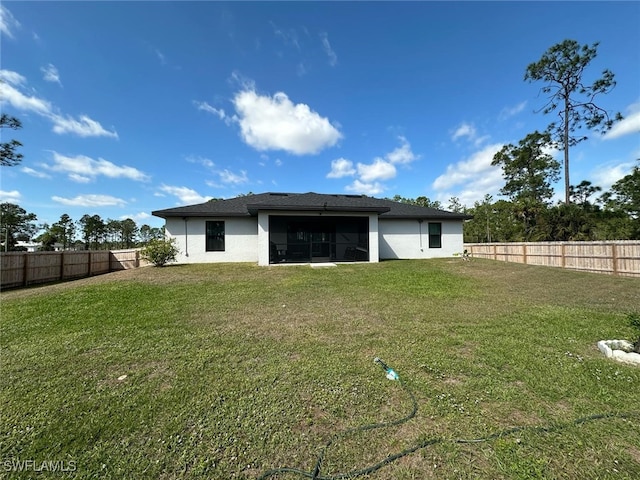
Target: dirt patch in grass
x,y
454,381
634,453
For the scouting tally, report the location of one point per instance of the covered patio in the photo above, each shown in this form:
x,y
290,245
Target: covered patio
x,y
312,239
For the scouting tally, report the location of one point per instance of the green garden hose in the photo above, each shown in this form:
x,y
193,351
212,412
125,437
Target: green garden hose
x,y
392,375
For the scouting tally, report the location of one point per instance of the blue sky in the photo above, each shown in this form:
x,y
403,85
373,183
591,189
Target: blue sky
x,y
129,107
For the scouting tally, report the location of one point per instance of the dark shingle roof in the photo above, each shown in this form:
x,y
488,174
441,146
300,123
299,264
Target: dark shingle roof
x,y
249,205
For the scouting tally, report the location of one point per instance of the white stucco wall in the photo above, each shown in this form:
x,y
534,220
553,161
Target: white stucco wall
x,y
247,240
241,243
410,239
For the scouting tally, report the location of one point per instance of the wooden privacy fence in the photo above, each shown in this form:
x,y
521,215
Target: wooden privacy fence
x,y
26,268
621,257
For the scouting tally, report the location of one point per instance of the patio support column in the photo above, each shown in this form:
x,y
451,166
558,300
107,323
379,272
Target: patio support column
x,y
263,238
374,239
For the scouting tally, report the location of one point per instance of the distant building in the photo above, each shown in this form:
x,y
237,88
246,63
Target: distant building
x,y
37,246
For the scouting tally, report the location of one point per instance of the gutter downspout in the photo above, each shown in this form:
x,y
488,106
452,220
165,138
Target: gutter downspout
x,y
186,236
420,230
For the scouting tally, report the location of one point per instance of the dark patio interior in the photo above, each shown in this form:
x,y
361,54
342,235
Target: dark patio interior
x,y
297,239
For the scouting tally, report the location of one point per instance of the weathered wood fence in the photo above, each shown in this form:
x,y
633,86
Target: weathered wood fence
x,y
19,269
620,257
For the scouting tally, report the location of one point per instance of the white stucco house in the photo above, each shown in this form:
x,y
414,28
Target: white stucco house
x,y
33,246
275,228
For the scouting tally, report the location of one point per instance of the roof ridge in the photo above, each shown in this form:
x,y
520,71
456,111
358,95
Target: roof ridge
x,y
250,204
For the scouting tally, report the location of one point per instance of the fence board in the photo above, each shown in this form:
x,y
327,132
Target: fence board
x,y
43,267
27,268
12,269
621,257
125,259
100,262
76,264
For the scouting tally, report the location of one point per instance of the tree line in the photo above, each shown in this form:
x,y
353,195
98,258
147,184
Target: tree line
x,y
90,232
612,215
530,217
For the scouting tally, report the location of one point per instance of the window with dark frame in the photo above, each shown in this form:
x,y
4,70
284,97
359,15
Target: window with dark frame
x,y
435,235
215,236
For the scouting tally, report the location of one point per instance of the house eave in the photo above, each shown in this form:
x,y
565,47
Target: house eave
x,y
165,215
426,217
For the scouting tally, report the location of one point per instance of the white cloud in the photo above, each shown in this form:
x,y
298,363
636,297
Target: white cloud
x,y
402,154
76,177
628,125
12,196
469,132
137,217
227,177
365,188
607,174
83,169
464,130
218,112
333,58
552,150
384,168
276,123
473,177
237,79
186,196
509,112
341,167
205,162
51,74
11,77
17,99
289,37
84,127
34,173
161,57
370,175
380,169
90,200
7,22
462,172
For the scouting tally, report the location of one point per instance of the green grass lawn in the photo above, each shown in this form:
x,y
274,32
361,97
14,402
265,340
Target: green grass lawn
x,y
234,370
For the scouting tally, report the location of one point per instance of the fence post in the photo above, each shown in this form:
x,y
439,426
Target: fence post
x,y
89,262
137,264
495,252
562,255
524,253
614,258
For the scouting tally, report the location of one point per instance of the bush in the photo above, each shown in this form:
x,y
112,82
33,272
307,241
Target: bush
x,y
160,252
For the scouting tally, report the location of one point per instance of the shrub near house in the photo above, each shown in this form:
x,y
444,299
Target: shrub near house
x,y
160,252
